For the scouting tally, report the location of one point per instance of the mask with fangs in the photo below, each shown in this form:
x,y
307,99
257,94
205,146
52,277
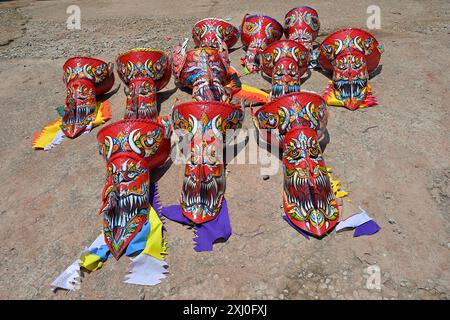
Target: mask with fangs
x,y
85,78
204,177
350,54
144,72
131,148
204,70
211,32
308,197
285,61
302,25
257,32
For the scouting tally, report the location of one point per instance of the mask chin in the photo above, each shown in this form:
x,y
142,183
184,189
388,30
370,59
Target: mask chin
x,y
201,197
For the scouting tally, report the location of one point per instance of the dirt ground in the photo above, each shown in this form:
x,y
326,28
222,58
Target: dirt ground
x,y
392,158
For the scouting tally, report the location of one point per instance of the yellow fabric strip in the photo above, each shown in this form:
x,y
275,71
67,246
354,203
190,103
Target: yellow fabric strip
x,y
336,185
91,262
47,135
155,245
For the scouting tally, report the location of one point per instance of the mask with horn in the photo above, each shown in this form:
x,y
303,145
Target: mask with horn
x,y
285,61
204,178
302,24
350,54
86,78
131,148
204,71
308,198
144,72
212,32
257,32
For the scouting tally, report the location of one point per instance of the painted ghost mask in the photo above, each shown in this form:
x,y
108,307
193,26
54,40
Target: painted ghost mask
x,y
204,70
257,32
285,61
204,178
144,72
131,148
308,198
302,24
86,78
350,54
212,32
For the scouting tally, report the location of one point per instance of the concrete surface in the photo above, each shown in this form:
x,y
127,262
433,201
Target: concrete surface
x,y
392,158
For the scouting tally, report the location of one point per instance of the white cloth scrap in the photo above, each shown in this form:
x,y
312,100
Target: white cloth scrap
x,y
70,279
146,270
354,221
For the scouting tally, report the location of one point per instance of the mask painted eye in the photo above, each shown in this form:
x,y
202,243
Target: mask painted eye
x,y
131,175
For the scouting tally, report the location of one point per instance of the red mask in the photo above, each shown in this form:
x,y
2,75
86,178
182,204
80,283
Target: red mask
x,y
204,176
85,78
257,32
285,61
211,32
144,71
205,71
302,24
308,198
350,54
131,149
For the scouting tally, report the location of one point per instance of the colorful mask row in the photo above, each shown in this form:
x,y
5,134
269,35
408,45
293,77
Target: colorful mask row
x,y
308,198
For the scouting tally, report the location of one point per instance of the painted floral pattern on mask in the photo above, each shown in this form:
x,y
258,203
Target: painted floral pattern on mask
x,y
302,24
257,32
205,71
285,61
308,198
144,72
85,78
131,149
204,178
212,32
350,54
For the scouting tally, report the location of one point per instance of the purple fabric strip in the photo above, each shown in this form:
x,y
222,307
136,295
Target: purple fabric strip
x,y
208,233
367,229
303,233
155,200
217,230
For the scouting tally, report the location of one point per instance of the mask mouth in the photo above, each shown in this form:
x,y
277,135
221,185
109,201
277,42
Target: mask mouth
x,y
202,199
308,199
121,208
77,120
280,89
349,89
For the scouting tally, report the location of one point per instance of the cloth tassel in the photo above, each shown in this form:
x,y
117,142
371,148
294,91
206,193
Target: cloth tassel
x,y
146,270
363,224
208,233
70,279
